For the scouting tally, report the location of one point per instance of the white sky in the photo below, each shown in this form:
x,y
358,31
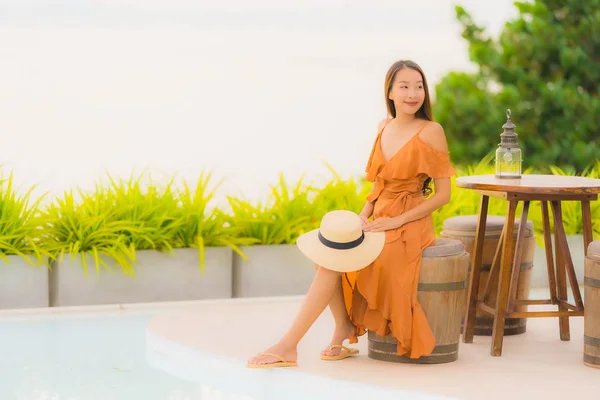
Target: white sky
x,y
243,88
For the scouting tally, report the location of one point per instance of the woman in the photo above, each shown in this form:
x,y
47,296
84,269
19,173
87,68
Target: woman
x,y
410,151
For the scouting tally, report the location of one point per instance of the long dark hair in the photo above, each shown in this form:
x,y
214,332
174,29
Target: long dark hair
x,y
424,112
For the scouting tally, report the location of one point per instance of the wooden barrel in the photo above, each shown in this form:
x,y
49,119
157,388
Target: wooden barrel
x,y
442,295
463,228
591,328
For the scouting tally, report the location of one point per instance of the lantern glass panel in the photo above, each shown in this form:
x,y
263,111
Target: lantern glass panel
x,y
508,162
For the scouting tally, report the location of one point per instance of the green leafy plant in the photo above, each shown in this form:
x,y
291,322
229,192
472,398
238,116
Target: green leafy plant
x,y
292,210
286,214
91,226
571,210
593,171
152,209
126,216
117,219
339,194
19,224
199,226
543,66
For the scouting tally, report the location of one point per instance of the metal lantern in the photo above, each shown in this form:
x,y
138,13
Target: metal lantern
x,y
508,154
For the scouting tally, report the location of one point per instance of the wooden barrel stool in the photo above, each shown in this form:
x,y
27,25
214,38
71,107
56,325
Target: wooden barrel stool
x,y
591,327
463,228
442,293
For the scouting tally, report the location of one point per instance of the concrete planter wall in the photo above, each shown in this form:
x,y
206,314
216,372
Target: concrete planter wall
x,y
22,285
159,277
278,270
539,277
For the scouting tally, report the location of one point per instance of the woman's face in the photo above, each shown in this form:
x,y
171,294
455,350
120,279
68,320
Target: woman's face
x,y
407,92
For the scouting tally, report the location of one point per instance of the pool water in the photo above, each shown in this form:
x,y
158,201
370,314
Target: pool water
x,y
106,356
85,357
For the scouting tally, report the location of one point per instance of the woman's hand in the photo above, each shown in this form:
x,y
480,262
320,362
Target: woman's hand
x,y
384,224
364,221
366,212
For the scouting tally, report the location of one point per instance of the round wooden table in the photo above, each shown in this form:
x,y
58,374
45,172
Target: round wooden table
x,y
548,189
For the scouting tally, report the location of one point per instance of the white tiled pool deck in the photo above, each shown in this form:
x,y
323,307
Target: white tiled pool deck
x,y
536,363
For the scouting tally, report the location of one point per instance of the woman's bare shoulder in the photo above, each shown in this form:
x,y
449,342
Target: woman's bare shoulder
x,y
433,134
383,123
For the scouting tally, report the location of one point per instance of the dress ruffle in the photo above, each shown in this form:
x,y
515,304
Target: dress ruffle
x,y
420,159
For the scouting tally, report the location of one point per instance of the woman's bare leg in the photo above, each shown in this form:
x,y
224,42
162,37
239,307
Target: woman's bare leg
x,y
343,326
320,293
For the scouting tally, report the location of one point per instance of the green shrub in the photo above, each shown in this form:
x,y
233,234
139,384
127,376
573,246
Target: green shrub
x,y
125,216
89,225
339,194
119,218
199,226
19,224
286,214
543,66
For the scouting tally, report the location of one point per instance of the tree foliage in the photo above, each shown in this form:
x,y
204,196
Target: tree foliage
x,y
545,67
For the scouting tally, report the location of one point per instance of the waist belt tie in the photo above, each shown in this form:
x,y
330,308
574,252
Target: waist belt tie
x,y
399,202
394,190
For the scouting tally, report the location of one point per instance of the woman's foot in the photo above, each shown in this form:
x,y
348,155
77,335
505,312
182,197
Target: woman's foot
x,y
339,335
278,355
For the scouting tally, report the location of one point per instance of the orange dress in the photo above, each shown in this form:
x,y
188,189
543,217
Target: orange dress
x,y
383,296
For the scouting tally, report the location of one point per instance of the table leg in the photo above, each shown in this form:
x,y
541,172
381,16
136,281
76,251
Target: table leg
x,y
471,311
561,272
494,269
570,269
503,282
586,216
548,249
516,269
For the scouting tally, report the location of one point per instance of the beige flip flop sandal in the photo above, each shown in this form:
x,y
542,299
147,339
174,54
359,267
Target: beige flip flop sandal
x,y
345,353
278,364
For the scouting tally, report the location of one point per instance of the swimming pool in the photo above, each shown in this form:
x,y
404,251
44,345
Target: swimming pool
x,y
110,355
82,357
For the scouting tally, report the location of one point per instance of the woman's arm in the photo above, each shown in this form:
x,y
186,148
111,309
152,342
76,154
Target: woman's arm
x,y
367,210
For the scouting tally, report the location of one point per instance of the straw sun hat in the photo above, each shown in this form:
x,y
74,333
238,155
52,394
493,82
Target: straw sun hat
x,y
340,243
